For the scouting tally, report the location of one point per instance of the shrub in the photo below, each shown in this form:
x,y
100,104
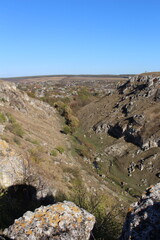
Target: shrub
x,y
2,118
14,126
33,141
61,107
60,149
16,129
67,113
53,153
36,154
73,122
10,117
107,225
16,140
66,129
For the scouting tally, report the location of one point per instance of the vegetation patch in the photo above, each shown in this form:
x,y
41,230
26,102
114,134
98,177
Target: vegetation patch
x,y
36,154
17,140
2,118
67,129
14,127
60,149
66,112
53,153
107,222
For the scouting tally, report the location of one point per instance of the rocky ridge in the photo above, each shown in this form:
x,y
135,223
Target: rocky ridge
x,y
142,221
59,221
137,107
126,127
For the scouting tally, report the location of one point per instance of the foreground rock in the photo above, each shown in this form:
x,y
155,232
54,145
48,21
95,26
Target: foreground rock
x,y
142,221
59,221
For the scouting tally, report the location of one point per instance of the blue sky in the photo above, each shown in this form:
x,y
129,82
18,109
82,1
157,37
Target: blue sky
x,y
39,37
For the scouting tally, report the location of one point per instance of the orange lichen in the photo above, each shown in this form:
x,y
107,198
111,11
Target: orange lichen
x,y
79,220
130,209
29,232
75,209
22,224
60,207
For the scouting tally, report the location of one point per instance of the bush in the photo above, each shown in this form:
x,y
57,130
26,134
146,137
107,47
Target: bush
x,y
16,129
60,149
53,153
67,113
17,140
33,141
11,119
107,225
2,118
36,154
14,126
73,122
62,108
66,130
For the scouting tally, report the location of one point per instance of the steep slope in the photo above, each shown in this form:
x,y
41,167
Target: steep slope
x,y
31,130
127,124
38,163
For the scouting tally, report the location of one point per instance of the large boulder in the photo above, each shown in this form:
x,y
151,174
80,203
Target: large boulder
x,y
63,221
143,219
12,166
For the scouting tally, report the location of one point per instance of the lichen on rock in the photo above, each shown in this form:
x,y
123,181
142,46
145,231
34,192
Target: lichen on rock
x,y
58,221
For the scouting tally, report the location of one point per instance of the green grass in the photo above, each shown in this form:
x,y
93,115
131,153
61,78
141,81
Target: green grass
x,y
2,118
53,153
67,129
16,129
33,141
60,149
10,117
36,154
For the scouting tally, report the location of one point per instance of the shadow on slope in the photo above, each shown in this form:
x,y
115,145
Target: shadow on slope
x,y
143,224
18,199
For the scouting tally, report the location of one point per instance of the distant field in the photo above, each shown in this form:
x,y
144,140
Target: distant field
x,y
67,78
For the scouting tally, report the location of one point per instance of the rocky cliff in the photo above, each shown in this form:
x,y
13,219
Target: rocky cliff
x,y
136,113
142,221
59,221
126,128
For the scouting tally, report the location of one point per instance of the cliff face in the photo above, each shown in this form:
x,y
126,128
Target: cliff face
x,y
142,221
63,221
125,125
136,113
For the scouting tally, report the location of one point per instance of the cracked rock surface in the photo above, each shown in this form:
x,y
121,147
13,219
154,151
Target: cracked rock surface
x,y
142,221
58,221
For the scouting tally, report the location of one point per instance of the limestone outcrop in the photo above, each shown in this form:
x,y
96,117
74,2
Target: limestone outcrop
x,y
136,114
59,221
12,166
142,221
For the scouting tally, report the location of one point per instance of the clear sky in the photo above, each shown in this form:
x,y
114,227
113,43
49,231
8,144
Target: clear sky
x,y
39,37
